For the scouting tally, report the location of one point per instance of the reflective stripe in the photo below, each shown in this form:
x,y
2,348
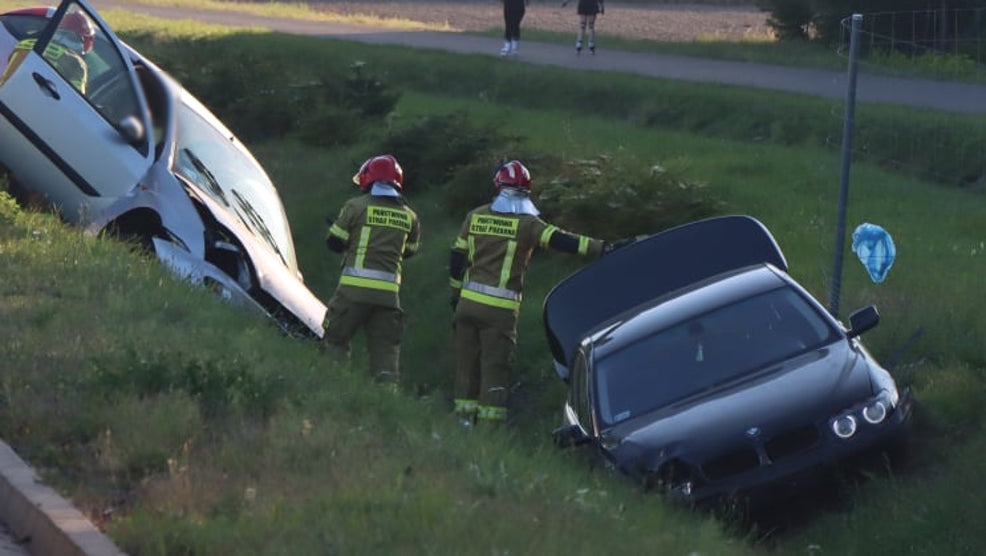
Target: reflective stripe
x,y
364,242
490,300
341,233
460,244
508,263
583,245
457,284
371,279
546,235
492,413
372,274
369,283
502,293
466,406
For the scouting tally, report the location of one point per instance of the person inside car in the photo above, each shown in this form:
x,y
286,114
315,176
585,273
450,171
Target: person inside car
x,y
74,38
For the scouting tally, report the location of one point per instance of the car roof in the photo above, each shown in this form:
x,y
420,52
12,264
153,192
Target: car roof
x,y
649,269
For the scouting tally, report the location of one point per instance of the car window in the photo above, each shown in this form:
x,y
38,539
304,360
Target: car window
x,y
707,351
82,54
220,167
23,26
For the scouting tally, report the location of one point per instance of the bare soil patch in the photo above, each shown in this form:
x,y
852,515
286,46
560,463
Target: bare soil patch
x,y
658,22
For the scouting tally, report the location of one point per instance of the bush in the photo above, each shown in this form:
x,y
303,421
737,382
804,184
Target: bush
x,y
432,149
790,19
914,25
263,96
470,186
613,198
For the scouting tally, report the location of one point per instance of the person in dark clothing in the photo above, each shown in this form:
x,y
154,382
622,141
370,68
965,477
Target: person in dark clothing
x,y
587,10
513,13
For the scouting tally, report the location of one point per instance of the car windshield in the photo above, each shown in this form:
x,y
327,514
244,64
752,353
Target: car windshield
x,y
222,168
707,351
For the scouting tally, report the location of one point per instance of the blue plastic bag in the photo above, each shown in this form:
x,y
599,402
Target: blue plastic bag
x,y
875,249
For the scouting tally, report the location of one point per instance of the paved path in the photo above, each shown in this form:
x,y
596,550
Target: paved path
x,y
953,97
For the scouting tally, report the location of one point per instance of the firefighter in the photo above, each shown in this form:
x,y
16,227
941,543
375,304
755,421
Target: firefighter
x,y
74,38
486,272
375,232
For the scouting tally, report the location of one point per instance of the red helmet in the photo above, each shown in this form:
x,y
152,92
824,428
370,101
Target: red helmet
x,y
512,174
383,168
79,25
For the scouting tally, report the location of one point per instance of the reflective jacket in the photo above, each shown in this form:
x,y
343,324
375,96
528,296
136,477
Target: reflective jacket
x,y
68,63
376,234
490,255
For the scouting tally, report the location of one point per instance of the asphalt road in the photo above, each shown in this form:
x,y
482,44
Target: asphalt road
x,y
946,96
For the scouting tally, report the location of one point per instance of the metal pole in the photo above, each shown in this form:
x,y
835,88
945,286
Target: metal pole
x,y
847,131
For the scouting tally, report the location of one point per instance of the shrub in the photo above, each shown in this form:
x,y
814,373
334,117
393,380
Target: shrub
x,y
470,186
432,149
612,198
789,19
262,96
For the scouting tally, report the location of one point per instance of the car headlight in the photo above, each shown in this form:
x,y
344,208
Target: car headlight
x,y
875,412
685,488
844,426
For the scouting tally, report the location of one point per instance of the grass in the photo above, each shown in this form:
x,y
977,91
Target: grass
x,y
299,10
183,426
755,49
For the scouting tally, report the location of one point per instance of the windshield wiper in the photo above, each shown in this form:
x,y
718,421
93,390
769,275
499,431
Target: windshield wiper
x,y
255,222
203,170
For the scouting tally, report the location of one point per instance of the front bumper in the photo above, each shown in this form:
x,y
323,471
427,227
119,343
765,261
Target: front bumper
x,y
785,477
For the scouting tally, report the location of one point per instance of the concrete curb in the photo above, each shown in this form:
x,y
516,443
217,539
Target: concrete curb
x,y
48,523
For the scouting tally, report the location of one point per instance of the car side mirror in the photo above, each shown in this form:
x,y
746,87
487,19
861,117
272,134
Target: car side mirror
x,y
862,320
131,129
570,435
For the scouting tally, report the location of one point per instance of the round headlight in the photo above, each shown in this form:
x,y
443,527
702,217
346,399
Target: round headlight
x,y
685,488
844,426
875,412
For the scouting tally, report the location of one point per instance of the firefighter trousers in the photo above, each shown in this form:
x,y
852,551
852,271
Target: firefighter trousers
x,y
485,341
383,327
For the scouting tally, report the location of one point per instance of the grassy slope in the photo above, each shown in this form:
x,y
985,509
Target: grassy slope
x,y
234,439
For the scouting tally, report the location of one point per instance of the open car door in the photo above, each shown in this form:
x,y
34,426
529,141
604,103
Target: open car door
x,y
73,119
648,269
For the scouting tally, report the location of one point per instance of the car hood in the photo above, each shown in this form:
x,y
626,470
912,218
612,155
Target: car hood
x,y
648,269
809,389
273,276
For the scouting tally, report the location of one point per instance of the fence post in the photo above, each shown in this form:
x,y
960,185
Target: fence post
x,y
847,132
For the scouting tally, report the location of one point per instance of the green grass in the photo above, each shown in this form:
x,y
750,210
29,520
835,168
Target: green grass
x,y
181,425
298,10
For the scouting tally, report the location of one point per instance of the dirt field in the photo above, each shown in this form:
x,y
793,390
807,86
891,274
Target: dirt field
x,y
660,22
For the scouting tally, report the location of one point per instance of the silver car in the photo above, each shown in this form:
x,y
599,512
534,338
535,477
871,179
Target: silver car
x,y
95,129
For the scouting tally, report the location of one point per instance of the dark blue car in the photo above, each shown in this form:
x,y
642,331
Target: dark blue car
x,y
714,374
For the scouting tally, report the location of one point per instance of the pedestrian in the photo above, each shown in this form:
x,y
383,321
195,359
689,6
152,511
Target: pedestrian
x,y
513,13
487,266
587,11
375,232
